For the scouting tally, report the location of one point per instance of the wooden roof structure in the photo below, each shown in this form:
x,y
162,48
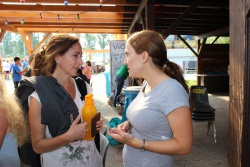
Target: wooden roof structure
x,y
182,17
203,18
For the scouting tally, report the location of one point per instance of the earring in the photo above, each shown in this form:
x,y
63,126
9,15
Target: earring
x,y
57,62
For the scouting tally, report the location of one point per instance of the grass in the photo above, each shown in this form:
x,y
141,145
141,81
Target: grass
x,y
191,82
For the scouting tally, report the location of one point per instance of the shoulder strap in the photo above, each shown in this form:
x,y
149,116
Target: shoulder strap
x,y
22,93
83,90
81,85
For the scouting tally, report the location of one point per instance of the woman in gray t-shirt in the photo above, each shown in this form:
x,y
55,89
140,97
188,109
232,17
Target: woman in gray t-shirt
x,y
159,119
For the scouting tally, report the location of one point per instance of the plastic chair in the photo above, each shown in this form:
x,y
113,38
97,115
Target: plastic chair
x,y
104,144
202,111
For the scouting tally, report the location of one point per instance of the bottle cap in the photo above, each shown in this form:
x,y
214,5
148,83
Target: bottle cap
x,y
88,99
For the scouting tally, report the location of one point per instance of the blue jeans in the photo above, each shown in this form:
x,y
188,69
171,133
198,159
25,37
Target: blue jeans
x,y
119,81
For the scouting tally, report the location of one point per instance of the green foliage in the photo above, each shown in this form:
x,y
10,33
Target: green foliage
x,y
89,42
35,39
7,44
13,45
220,40
103,40
191,82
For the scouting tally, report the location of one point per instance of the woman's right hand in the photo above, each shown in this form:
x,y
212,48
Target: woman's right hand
x,y
125,127
77,131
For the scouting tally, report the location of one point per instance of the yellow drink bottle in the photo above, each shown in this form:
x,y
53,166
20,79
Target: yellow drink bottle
x,y
88,111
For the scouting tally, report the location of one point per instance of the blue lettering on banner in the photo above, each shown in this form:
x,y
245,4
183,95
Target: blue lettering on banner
x,y
119,46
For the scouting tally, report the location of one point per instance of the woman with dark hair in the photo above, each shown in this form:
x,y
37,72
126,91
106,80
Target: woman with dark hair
x,y
159,119
57,132
87,71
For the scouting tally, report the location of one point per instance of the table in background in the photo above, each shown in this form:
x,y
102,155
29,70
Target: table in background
x,y
214,83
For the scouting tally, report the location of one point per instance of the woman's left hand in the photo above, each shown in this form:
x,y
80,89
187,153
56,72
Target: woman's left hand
x,y
99,124
121,136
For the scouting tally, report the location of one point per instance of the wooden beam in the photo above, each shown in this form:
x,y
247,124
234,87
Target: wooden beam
x,y
138,13
75,30
41,42
215,40
143,22
183,40
182,17
28,43
70,20
221,31
97,2
2,35
150,17
8,28
203,43
82,9
14,15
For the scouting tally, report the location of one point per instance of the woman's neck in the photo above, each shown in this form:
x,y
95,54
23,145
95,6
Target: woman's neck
x,y
153,78
63,80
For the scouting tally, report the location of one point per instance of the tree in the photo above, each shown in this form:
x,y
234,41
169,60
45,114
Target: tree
x,y
35,39
89,43
103,41
220,40
7,42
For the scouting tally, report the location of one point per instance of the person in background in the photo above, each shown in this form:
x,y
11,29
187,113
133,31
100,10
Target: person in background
x,y
87,71
14,129
119,78
28,72
17,72
55,105
6,69
12,63
81,75
24,63
159,121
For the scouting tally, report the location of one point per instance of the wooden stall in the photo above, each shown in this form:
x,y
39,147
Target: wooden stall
x,y
239,96
213,64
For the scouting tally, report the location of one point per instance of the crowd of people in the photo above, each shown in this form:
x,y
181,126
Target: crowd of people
x,y
159,119
9,63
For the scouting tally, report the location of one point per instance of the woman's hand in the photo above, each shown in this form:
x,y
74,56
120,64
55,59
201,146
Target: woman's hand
x,y
77,131
121,136
125,126
99,124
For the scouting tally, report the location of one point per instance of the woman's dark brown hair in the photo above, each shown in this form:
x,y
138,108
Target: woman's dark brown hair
x,y
38,62
57,46
88,63
153,43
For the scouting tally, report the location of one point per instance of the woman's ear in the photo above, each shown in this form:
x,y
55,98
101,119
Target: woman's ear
x,y
144,57
57,59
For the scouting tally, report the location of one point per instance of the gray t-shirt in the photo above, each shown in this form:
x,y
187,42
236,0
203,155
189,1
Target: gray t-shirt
x,y
147,115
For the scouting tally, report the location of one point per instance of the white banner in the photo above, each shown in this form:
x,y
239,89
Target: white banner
x,y
117,56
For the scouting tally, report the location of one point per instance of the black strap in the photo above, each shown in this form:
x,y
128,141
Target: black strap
x,y
81,85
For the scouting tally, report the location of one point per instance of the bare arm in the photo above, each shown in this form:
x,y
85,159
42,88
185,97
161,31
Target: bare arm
x,y
4,126
181,125
23,71
42,144
181,144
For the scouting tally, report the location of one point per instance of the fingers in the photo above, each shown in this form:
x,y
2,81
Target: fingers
x,y
77,120
99,124
85,124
